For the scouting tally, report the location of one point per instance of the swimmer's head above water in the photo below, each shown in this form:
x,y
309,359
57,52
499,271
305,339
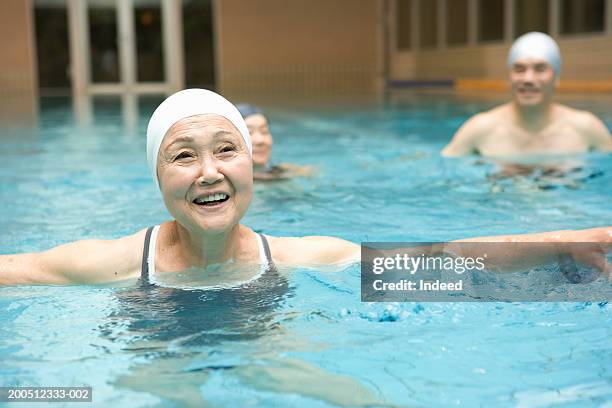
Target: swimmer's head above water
x,y
534,62
259,128
184,104
199,154
537,46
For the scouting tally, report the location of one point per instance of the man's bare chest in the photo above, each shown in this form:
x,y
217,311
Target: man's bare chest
x,y
506,140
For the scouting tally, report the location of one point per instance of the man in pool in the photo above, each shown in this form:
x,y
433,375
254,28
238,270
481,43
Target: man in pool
x,y
531,123
199,155
261,138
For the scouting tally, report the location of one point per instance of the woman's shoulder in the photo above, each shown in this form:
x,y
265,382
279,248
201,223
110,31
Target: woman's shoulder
x,y
97,260
313,250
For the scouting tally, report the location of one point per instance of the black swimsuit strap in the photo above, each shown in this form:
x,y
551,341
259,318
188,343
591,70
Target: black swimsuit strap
x,y
144,269
267,252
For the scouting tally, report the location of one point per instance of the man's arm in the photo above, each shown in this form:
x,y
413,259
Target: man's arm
x,y
87,261
466,140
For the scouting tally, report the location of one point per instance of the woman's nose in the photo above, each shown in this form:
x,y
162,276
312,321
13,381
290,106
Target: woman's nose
x,y
210,173
256,138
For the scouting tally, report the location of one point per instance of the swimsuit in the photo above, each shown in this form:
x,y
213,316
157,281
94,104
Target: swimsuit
x,y
147,271
201,316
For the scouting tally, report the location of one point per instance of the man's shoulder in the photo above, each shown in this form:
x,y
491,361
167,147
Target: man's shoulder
x,y
578,118
588,125
469,137
485,121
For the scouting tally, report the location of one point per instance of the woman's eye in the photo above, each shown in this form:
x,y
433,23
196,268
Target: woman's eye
x,y
183,155
227,149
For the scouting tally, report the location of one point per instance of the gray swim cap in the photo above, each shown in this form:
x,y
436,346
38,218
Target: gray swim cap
x,y
183,104
247,110
536,45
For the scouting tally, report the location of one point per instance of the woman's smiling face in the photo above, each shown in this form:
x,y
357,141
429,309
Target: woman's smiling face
x,y
205,173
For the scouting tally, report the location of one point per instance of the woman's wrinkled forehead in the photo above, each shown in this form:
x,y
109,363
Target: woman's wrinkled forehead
x,y
202,126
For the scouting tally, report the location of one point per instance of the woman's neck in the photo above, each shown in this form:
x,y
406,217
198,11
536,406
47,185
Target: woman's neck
x,y
201,249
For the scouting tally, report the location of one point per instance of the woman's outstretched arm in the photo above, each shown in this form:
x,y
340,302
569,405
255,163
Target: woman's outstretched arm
x,y
588,246
87,261
521,254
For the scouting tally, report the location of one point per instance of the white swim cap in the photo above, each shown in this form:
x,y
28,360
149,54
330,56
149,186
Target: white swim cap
x,y
536,45
185,103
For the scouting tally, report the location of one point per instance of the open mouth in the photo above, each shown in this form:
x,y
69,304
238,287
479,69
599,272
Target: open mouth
x,y
211,200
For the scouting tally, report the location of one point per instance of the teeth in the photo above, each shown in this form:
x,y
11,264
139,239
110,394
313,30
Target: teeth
x,y
212,197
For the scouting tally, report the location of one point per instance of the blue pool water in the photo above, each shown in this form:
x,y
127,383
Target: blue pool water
x,y
308,340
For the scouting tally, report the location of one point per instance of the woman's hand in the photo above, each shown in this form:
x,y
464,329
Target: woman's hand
x,y
588,247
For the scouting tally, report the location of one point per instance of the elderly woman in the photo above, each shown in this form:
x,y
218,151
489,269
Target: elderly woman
x,y
261,139
200,156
